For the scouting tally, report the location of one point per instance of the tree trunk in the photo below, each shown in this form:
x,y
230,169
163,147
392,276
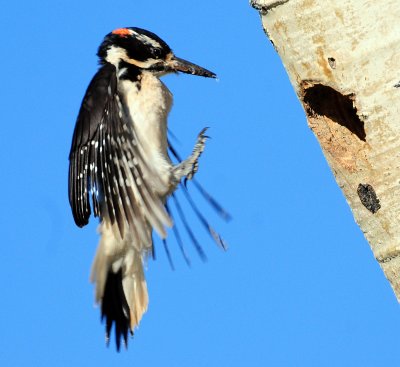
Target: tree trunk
x,y
343,60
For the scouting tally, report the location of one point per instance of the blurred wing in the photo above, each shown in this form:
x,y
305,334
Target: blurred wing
x,y
214,204
107,165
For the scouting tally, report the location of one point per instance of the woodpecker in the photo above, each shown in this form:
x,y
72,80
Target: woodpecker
x,y
121,169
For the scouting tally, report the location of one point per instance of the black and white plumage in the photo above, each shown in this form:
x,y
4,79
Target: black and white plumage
x,y
120,167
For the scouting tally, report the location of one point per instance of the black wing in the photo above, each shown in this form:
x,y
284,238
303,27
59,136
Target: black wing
x,y
107,165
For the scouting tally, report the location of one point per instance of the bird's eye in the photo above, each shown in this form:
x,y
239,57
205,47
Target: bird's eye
x,y
156,53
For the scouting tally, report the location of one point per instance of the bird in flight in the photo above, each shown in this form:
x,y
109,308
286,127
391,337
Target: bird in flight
x,y
121,169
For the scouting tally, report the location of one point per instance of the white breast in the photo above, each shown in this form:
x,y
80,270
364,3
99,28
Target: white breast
x,y
148,107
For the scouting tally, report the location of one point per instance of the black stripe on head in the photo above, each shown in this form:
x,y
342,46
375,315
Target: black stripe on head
x,y
138,43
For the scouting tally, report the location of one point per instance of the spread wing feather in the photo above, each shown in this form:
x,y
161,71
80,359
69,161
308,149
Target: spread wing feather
x,y
107,166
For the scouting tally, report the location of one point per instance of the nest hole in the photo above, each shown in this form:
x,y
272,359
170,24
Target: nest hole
x,y
322,100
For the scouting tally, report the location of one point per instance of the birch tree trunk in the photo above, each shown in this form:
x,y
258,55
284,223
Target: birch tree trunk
x,y
343,60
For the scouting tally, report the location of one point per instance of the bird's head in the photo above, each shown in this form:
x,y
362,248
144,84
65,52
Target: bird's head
x,y
146,51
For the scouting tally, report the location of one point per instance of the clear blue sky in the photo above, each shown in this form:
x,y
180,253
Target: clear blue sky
x,y
298,286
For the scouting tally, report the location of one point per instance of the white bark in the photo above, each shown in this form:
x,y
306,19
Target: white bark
x,y
343,60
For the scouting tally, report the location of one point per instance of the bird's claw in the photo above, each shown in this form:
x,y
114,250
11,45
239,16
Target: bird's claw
x,y
188,168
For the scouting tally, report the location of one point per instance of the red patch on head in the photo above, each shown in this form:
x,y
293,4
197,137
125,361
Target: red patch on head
x,y
123,32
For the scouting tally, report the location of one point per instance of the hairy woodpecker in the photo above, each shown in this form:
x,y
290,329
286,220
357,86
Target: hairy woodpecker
x,y
119,162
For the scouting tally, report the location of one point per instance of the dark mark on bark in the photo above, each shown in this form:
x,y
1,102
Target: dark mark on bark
x,y
368,197
332,62
265,8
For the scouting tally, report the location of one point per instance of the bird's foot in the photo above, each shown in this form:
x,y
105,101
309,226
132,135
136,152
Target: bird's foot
x,y
187,168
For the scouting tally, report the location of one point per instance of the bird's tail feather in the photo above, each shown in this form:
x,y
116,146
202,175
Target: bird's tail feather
x,y
135,289
121,288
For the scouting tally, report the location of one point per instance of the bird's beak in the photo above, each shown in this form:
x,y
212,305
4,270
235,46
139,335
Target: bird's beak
x,y
177,64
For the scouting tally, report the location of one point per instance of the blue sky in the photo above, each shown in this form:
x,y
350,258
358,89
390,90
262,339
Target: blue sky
x,y
298,286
